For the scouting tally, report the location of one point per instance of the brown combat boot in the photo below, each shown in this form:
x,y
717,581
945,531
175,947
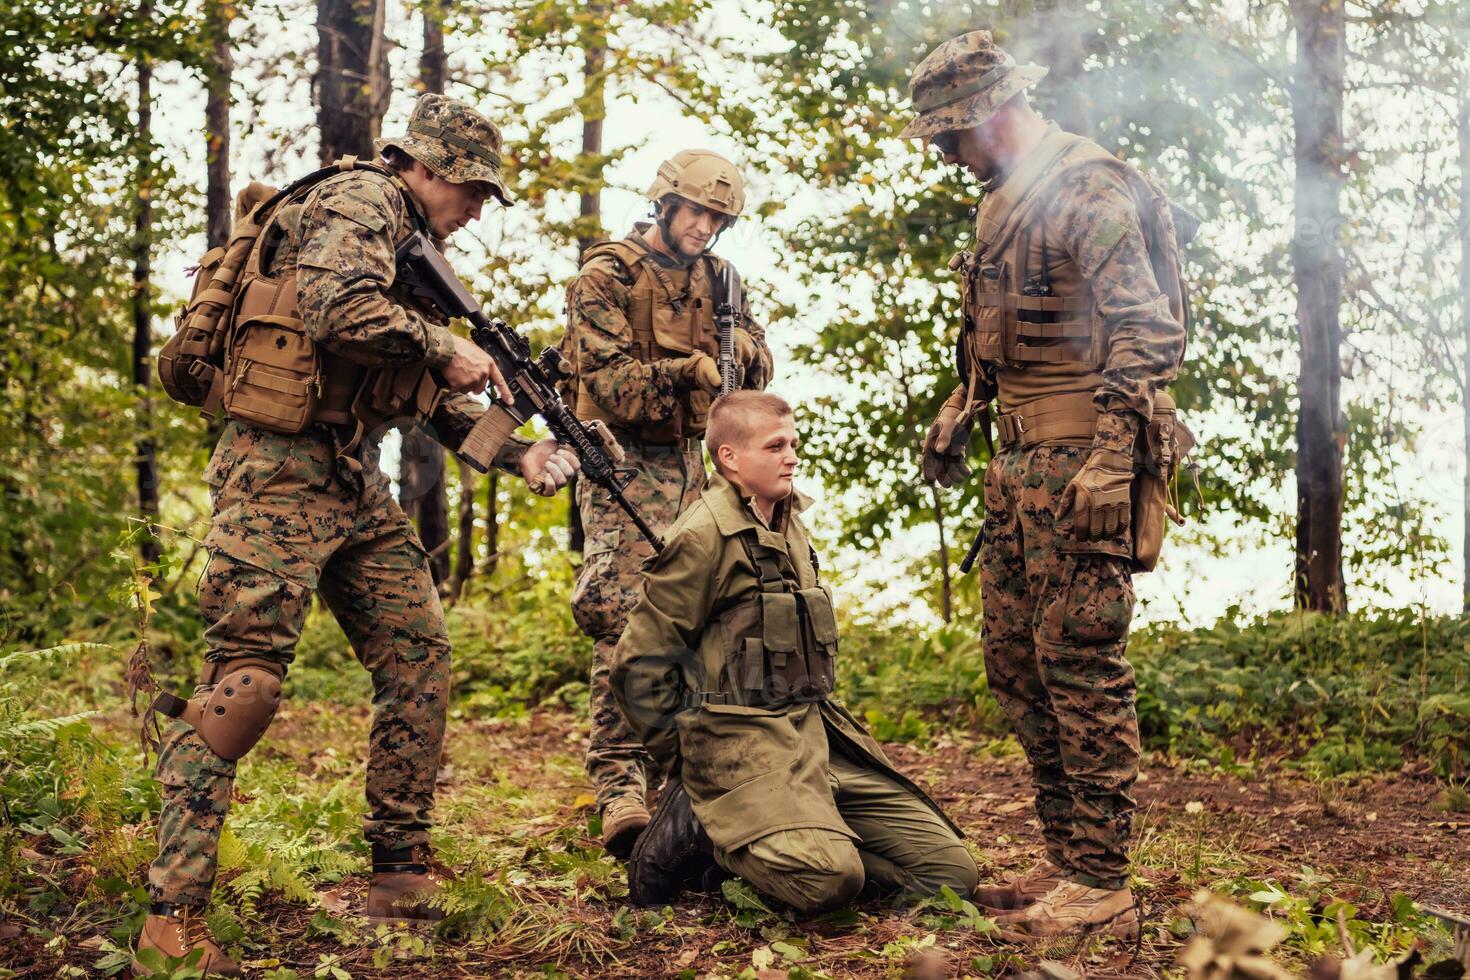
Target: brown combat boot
x,y
622,821
178,933
1074,909
404,880
1019,891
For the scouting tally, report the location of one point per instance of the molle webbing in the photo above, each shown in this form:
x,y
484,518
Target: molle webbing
x,y
1058,417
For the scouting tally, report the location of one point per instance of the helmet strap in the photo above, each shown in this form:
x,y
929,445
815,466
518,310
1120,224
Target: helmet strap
x,y
662,212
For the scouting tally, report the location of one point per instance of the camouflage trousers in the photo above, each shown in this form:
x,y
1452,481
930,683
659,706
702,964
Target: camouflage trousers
x,y
668,481
286,523
1056,630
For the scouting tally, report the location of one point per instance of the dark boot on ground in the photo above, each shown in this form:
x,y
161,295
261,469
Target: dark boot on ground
x,y
1074,909
175,933
622,821
1020,891
673,854
404,880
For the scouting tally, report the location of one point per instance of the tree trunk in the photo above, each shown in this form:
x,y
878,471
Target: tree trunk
x,y
421,464
433,64
1464,133
492,523
147,463
1059,47
1317,101
218,215
946,597
352,83
464,552
593,107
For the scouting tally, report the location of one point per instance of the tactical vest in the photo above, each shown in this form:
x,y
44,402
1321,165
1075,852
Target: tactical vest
x,y
1026,305
781,643
280,379
666,322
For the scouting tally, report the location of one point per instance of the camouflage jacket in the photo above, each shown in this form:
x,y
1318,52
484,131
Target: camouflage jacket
x,y
341,240
630,391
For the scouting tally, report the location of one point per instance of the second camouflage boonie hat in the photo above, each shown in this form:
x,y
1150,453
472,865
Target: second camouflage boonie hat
x,y
962,82
452,139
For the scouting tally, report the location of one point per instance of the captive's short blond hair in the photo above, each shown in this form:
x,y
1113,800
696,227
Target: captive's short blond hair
x,y
733,419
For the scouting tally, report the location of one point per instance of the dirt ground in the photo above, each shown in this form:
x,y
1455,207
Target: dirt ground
x,y
516,798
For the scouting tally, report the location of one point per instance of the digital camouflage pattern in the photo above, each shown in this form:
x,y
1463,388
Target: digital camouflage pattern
x,y
287,522
291,515
1055,635
452,139
634,395
668,481
1092,214
962,82
800,799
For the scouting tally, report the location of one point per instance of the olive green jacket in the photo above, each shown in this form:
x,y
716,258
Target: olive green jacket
x,y
749,771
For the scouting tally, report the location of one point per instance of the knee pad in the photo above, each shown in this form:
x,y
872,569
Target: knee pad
x,y
233,716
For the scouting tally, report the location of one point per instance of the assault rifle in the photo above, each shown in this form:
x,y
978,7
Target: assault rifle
x,y
431,279
727,311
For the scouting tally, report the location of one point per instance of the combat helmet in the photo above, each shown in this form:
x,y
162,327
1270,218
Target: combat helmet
x,y
702,177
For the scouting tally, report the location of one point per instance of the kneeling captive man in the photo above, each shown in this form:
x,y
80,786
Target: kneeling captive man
x,y
726,670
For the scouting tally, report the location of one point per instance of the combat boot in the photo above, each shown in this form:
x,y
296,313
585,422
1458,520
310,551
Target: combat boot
x,y
622,821
404,881
176,932
1020,891
673,854
1074,909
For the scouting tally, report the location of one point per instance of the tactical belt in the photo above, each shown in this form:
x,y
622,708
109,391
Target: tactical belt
x,y
629,439
1071,416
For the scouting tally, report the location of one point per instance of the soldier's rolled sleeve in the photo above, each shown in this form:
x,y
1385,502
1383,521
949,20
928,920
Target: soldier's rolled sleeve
x,y
627,389
1095,214
759,375
343,273
662,634
457,415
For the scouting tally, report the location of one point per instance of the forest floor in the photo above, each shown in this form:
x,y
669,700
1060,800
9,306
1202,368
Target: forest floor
x,y
516,823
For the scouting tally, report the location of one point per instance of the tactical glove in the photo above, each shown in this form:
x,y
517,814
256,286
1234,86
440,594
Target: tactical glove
x,y
944,449
1099,498
746,350
698,370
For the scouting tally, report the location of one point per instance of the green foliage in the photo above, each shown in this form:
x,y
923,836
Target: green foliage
x,y
1316,920
1340,695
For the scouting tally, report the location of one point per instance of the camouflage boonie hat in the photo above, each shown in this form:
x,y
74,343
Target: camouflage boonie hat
x,y
452,139
962,82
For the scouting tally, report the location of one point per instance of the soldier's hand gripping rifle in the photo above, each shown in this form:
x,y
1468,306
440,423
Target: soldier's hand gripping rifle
x,y
727,311
430,277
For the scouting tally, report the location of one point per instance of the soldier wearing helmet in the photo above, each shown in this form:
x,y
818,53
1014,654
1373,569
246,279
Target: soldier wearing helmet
x,y
641,339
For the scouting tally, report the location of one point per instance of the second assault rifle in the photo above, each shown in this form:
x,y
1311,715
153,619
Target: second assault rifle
x,y
727,311
532,381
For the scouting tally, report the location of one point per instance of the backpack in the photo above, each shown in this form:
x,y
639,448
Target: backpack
x,y
191,363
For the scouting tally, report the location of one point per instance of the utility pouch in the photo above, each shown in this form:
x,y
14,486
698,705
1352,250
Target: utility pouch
x,y
275,368
987,311
821,666
1162,446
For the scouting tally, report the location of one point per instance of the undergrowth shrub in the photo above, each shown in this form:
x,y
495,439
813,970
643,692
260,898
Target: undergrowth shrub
x,y
1346,694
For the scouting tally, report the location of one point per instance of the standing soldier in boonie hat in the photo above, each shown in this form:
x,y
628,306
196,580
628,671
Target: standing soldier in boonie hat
x,y
303,507
641,338
1073,325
